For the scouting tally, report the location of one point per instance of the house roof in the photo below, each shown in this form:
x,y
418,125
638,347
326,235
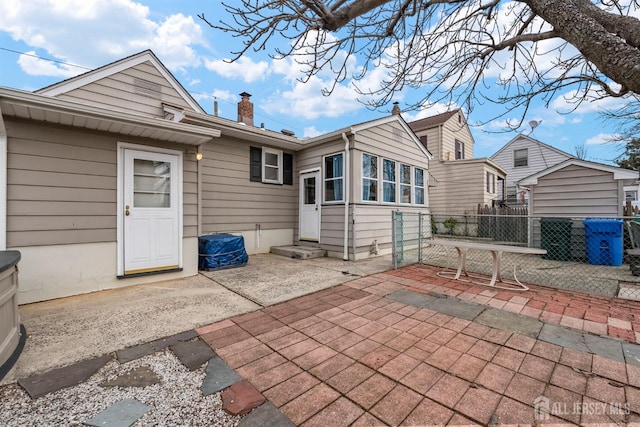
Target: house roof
x,y
33,106
429,122
235,129
533,141
618,173
367,125
78,81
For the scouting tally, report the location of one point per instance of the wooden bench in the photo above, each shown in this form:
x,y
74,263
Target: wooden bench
x,y
496,280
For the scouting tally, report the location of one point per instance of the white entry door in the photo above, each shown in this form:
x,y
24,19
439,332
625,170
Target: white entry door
x,y
310,206
151,217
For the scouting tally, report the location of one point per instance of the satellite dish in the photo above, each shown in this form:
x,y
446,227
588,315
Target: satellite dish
x,y
534,124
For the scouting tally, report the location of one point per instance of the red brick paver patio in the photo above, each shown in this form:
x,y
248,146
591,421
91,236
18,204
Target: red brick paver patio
x,y
349,356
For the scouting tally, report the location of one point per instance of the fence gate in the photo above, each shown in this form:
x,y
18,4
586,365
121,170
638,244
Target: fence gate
x,y
408,230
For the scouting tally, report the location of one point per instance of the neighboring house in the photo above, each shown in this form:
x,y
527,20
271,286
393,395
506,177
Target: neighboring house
x,y
460,182
575,189
104,187
524,156
578,188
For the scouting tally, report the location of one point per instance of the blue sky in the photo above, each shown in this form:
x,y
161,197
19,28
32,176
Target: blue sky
x,y
91,33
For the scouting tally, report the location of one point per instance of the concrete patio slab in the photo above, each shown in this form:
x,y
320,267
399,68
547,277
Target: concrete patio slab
x,y
508,321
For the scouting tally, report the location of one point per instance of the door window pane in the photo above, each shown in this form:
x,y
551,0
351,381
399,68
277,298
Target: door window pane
x,y
151,184
310,191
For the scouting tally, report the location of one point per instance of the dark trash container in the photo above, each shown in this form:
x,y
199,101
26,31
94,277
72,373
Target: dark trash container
x,y
12,334
555,237
603,238
223,250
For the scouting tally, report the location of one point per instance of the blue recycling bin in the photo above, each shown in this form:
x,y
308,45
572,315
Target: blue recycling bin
x,y
604,242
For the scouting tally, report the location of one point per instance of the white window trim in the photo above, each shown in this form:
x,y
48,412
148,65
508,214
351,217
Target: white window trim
x,y
278,153
395,183
325,179
376,179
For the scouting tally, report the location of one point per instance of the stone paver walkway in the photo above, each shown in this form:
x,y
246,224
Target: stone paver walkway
x,y
409,348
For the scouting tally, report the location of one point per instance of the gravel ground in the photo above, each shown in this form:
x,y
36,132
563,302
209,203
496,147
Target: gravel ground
x,y
176,400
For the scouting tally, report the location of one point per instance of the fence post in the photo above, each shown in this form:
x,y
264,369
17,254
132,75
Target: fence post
x,y
394,249
420,235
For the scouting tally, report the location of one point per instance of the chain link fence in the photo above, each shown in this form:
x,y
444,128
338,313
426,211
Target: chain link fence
x,y
592,255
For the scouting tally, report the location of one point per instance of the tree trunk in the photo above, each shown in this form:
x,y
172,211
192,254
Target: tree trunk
x,y
576,22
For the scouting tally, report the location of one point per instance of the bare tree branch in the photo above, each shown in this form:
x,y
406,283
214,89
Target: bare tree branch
x,y
452,50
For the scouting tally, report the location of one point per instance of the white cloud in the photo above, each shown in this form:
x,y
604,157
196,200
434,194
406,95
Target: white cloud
x,y
602,139
306,100
244,68
92,32
40,67
311,131
428,110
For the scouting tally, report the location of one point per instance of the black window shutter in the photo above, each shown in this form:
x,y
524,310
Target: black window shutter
x,y
255,164
287,168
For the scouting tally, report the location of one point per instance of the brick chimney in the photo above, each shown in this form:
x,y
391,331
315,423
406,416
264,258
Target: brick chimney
x,y
396,109
245,109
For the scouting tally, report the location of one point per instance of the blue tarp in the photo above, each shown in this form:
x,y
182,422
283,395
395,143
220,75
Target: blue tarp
x,y
218,251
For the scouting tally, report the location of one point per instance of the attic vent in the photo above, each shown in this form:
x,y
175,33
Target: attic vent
x,y
147,88
397,134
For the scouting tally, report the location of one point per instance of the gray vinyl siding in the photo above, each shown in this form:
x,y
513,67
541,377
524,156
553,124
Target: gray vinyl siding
x,y
577,191
372,221
62,185
332,214
540,158
332,228
117,92
231,202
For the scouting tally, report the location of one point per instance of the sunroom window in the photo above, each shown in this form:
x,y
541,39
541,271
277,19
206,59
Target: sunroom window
x,y
333,178
369,178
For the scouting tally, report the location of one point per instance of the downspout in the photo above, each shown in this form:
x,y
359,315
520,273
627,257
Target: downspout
x,y
345,244
3,183
199,196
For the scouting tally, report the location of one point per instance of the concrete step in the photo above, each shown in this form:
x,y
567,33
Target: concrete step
x,y
298,252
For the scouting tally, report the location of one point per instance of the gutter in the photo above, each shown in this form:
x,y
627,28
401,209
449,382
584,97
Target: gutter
x,y
3,183
345,243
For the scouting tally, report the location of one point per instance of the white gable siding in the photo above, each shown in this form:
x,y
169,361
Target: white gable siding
x,y
119,92
456,129
540,157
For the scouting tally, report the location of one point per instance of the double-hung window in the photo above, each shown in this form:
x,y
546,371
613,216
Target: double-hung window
x,y
388,181
369,178
491,183
459,150
405,183
333,178
520,157
419,186
272,166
